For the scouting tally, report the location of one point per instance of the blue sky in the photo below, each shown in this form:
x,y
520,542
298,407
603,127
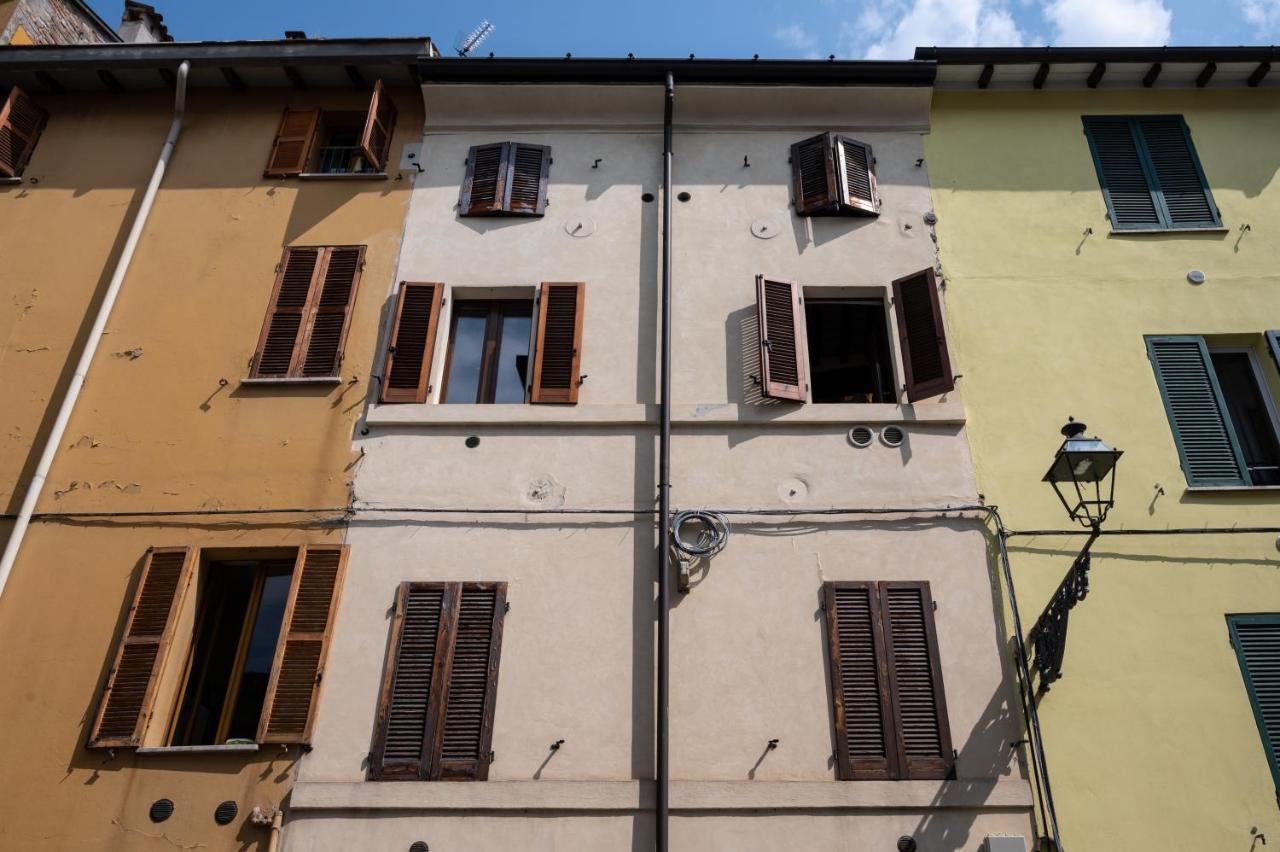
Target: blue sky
x,y
884,29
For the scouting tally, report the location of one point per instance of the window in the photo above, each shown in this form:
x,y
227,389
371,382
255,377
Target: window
x,y
435,714
506,179
1150,175
834,175
306,326
22,121
315,141
837,350
251,667
889,710
1223,418
1256,639
488,352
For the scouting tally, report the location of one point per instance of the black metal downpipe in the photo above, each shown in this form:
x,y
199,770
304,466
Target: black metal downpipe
x,y
664,485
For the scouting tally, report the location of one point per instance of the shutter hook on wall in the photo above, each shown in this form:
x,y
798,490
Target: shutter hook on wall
x,y
597,163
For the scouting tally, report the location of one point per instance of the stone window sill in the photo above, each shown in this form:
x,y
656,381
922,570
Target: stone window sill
x,y
10,181
1232,489
304,380
343,176
237,748
1120,232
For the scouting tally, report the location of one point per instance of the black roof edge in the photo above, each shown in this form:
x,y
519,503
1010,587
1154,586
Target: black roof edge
x,y
748,72
1029,55
220,53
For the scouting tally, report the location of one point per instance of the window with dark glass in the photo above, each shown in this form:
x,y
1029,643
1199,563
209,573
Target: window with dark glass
x,y
338,149
1251,416
849,358
488,358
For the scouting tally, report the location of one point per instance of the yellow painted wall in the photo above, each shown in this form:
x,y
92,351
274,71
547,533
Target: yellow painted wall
x,y
1149,736
158,431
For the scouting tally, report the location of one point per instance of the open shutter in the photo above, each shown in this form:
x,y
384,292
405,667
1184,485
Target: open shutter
x,y
148,632
915,677
484,187
857,164
403,745
1126,185
292,147
330,315
783,358
277,344
1256,639
21,122
1180,186
470,681
375,142
922,337
813,174
304,641
526,191
407,368
865,747
558,360
1197,413
1273,344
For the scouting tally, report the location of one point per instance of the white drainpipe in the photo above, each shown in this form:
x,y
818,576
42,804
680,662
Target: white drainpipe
x,y
95,336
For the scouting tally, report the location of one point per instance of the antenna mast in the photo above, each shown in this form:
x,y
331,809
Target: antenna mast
x,y
472,41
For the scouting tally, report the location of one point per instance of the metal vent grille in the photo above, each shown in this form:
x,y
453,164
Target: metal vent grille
x,y
161,810
893,436
906,844
861,436
225,812
418,846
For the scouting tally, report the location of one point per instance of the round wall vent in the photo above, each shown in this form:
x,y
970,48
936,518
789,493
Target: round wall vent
x,y
906,844
1195,276
861,436
472,442
684,196
418,846
225,812
161,810
647,197
893,436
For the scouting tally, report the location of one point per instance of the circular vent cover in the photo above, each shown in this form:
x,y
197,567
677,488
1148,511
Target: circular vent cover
x,y
225,812
861,436
418,846
161,810
906,844
893,436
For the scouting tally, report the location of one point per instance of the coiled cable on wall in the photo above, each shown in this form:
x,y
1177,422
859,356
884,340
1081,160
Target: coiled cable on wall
x,y
713,533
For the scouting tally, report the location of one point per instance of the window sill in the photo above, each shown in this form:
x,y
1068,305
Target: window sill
x,y
304,380
1234,489
1120,232
343,176
10,181
238,748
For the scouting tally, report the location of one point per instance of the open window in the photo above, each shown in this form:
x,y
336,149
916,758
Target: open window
x,y
22,120
316,141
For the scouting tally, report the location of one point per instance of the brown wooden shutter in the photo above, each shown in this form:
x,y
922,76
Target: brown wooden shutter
x,y
865,746
526,191
375,142
292,146
130,691
470,679
921,336
304,642
915,675
407,369
484,187
277,344
783,358
813,173
858,175
558,360
330,311
21,122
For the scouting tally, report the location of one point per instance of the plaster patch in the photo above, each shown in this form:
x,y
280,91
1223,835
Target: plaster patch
x,y
544,492
793,489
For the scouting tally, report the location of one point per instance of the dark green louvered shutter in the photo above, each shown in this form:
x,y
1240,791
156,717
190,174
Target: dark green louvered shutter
x,y
1273,343
1180,187
1201,425
1256,639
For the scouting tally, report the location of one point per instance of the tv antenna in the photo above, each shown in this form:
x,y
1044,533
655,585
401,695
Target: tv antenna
x,y
464,46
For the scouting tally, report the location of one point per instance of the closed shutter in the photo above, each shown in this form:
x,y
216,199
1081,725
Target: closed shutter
x,y
865,747
1256,639
472,677
1180,185
281,331
813,175
530,166
306,326
783,357
922,336
375,142
1197,414
292,146
1273,344
484,187
22,121
858,170
558,360
919,706
130,691
304,642
330,315
407,368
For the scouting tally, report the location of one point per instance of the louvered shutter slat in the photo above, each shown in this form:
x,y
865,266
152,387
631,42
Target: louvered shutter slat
x,y
22,121
466,730
558,359
527,181
916,681
1184,193
1257,642
859,173
859,682
483,188
922,336
328,329
404,742
780,314
413,337
1124,180
1196,411
278,343
813,175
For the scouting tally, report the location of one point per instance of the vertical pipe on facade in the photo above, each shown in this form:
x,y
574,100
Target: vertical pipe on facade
x,y
95,335
664,484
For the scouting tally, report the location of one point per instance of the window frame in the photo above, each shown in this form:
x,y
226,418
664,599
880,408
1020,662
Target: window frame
x,y
893,363
1264,390
1270,750
492,348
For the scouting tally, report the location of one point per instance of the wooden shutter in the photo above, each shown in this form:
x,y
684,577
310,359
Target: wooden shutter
x,y
526,190
292,146
813,174
1256,639
407,368
1126,186
484,187
277,344
865,748
915,676
130,691
470,683
1273,344
332,298
379,125
1181,190
783,356
558,360
306,326
858,186
21,122
304,642
922,336
1197,413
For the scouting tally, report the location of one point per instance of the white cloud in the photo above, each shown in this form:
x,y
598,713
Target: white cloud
x,y
797,38
1113,22
1263,14
893,29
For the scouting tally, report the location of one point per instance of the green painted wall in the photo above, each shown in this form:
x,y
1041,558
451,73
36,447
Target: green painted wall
x,y
1149,736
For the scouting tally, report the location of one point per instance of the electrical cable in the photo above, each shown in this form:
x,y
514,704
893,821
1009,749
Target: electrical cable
x,y
713,534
